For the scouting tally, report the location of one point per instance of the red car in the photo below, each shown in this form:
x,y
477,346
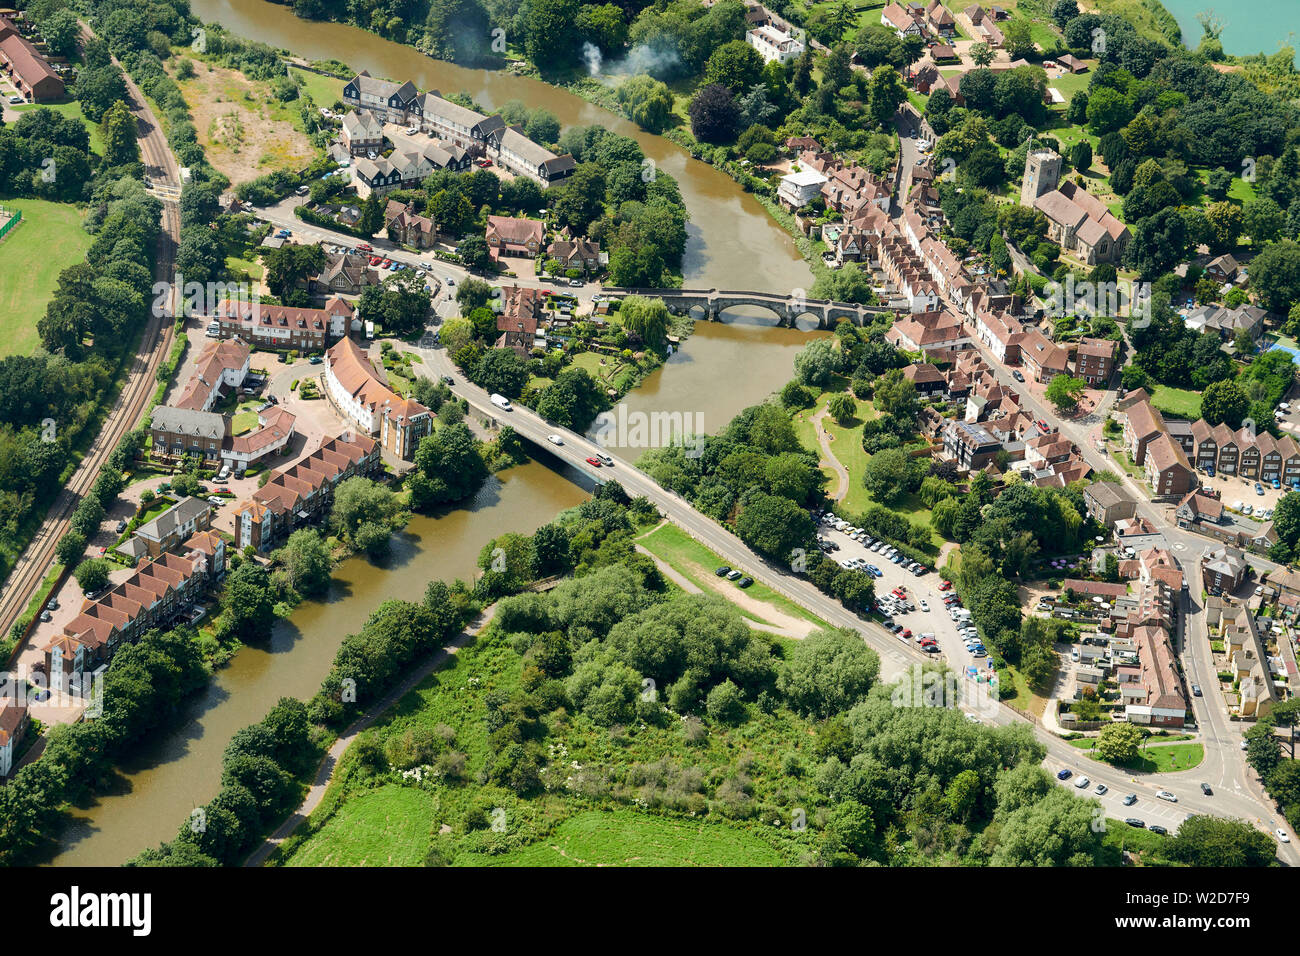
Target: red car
x,y
365,247
387,263
907,633
945,586
1042,426
594,462
375,260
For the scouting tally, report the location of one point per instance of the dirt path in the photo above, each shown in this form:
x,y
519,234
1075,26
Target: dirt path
x,y
325,772
824,439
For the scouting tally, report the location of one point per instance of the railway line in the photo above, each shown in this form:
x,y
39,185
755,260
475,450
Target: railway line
x,y
133,400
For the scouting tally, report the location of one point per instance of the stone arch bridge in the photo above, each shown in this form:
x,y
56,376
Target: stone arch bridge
x,y
786,308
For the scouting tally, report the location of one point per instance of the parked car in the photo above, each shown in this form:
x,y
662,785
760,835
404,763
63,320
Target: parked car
x,y
1064,774
46,617
732,575
1196,690
1259,489
1082,782
121,526
1017,376
722,571
1101,789
1129,800
1135,822
1157,828
745,582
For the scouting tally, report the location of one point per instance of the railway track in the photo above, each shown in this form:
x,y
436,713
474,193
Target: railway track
x,y
132,401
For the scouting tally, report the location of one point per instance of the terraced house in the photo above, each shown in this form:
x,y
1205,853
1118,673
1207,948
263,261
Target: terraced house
x,y
153,596
355,386
302,493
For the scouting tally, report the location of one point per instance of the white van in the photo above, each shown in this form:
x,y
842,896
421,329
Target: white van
x,y
500,401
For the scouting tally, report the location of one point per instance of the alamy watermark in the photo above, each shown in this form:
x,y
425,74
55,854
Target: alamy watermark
x,y
623,428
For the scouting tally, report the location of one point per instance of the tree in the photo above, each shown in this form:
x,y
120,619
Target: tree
x,y
117,130
714,114
60,31
735,65
648,102
886,93
98,89
842,407
289,266
1119,743
364,514
501,371
1064,392
829,672
1081,155
1226,224
774,526
1224,402
474,252
549,34
248,603
1207,841
889,475
982,54
648,319
372,217
1019,39
581,199
1263,220
1275,275
449,467
817,362
70,548
473,294
92,574
306,562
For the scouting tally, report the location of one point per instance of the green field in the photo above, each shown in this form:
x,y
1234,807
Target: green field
x,y
680,551
628,838
323,90
1165,758
388,826
1179,402
48,240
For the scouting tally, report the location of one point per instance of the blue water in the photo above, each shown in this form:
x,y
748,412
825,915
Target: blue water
x,y
1250,26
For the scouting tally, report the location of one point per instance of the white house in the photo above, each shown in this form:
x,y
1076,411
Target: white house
x,y
774,44
799,189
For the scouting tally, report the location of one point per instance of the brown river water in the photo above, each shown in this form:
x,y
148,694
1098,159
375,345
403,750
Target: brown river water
x,y
723,367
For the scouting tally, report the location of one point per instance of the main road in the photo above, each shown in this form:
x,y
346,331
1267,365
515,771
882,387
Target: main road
x,y
897,659
133,400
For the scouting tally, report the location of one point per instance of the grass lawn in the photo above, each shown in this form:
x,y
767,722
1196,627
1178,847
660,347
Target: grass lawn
x,y
1163,758
1025,698
387,827
323,90
72,109
629,838
680,551
48,240
1179,402
244,421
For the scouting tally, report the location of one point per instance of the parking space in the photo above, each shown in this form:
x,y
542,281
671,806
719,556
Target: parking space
x,y
1145,806
928,614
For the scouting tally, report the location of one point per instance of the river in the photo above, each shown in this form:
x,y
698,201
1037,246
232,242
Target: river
x,y
722,368
1257,26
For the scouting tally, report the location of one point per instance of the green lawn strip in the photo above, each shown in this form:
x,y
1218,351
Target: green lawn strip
x,y
388,826
630,838
679,550
324,90
1161,759
1182,402
47,241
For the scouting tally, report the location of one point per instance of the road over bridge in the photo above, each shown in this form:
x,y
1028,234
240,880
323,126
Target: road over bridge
x,y
787,308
